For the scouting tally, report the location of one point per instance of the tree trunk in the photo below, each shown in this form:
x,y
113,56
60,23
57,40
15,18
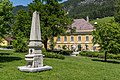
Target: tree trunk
x,y
45,44
105,56
52,43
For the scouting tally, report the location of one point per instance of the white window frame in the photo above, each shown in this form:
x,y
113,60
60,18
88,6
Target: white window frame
x,y
71,39
59,39
80,37
64,38
86,38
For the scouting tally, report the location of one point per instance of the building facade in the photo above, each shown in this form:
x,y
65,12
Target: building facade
x,y
81,39
7,41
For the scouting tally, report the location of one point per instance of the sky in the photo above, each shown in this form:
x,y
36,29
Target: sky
x,y
23,2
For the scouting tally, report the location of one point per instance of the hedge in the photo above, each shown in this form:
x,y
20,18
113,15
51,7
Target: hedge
x,y
100,55
53,55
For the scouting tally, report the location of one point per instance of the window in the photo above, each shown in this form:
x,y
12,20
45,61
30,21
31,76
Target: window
x,y
87,38
65,38
71,47
87,47
59,47
79,47
72,38
58,39
79,38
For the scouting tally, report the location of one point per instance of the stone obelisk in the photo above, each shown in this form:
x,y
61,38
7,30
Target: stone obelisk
x,y
35,58
35,35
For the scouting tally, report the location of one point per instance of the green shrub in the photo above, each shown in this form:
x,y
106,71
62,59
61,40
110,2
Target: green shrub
x,y
99,55
118,56
89,53
64,47
43,50
20,44
111,56
96,54
65,52
53,55
3,46
83,53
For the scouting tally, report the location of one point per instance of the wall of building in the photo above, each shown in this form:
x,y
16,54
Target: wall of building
x,y
4,43
69,43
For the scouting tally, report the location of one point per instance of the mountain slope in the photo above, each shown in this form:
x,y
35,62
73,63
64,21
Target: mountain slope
x,y
82,8
19,7
92,8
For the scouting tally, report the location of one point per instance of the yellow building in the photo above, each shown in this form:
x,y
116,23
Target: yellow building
x,y
81,39
7,41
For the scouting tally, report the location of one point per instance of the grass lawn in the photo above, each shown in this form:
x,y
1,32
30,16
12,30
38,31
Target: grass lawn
x,y
71,68
103,20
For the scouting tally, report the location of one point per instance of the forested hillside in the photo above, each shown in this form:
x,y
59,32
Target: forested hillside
x,y
82,8
92,8
19,7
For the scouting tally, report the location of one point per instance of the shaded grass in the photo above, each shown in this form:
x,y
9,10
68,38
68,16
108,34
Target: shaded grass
x,y
71,68
108,61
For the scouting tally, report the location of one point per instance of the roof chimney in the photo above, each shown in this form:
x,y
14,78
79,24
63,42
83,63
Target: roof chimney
x,y
87,19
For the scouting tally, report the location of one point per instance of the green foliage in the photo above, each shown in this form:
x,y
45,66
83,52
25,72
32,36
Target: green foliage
x,y
20,44
117,11
92,54
107,35
53,55
100,55
19,7
92,8
21,31
65,52
52,43
111,56
6,17
53,19
64,47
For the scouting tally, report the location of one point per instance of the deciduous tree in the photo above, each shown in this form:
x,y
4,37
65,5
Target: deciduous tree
x,y
53,19
21,31
6,17
107,35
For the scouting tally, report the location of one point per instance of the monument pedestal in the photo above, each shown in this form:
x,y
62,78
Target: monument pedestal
x,y
37,69
34,63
